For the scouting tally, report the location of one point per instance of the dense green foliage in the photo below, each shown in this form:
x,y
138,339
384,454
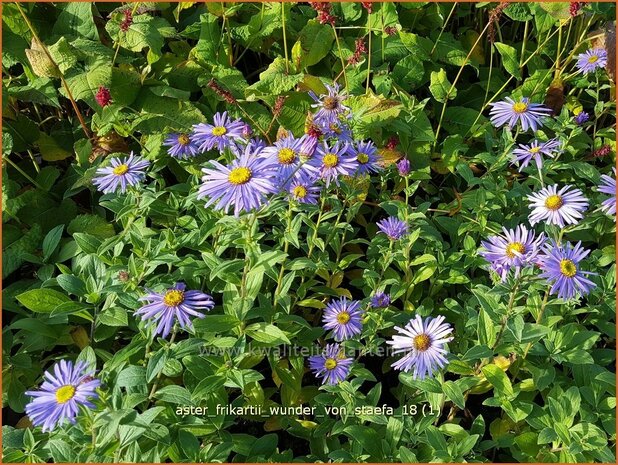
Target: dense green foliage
x,y
531,377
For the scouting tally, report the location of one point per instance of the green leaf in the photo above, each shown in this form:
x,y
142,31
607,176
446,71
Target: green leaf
x,y
174,395
42,300
275,80
440,86
93,225
51,241
486,329
499,380
113,316
314,43
510,59
76,19
409,72
131,376
71,284
269,334
454,393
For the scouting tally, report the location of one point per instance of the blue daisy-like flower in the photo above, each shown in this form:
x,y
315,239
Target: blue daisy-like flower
x,y
514,249
65,388
423,343
224,133
285,155
304,190
608,186
591,60
175,304
334,161
181,145
337,132
393,227
560,265
344,318
380,300
243,185
122,173
557,206
509,112
526,153
366,154
330,106
332,365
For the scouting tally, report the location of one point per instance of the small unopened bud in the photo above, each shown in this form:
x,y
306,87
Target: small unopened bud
x,y
80,337
123,276
403,166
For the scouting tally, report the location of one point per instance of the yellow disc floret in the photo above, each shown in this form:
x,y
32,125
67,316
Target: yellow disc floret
x,y
520,107
515,247
219,131
173,298
330,103
286,156
120,170
330,160
554,202
65,394
240,175
593,59
421,342
183,139
343,318
362,158
300,192
568,268
330,363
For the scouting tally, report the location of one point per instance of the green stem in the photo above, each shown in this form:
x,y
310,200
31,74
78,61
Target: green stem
x,y
345,77
285,41
286,245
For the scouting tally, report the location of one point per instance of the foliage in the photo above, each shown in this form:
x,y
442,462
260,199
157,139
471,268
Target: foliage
x,y
531,378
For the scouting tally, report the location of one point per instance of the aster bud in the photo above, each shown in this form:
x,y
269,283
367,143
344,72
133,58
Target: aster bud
x,y
403,166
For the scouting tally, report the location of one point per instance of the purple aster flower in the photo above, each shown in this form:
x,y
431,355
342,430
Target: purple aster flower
x,y
608,186
367,157
393,227
558,207
510,112
591,60
380,300
181,145
560,268
224,133
337,132
403,166
285,158
335,161
332,366
525,153
175,304
303,190
423,343
244,184
582,117
121,173
344,318
516,248
65,388
330,105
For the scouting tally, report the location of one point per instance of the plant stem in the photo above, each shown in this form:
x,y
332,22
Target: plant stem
x,y
286,245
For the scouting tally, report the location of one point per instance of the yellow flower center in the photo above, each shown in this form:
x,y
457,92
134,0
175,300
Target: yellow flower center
x,y
330,160
520,107
120,170
173,298
240,175
421,342
183,139
515,247
219,131
330,364
343,318
535,149
300,192
554,202
330,103
286,156
568,268
65,394
593,59
362,158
